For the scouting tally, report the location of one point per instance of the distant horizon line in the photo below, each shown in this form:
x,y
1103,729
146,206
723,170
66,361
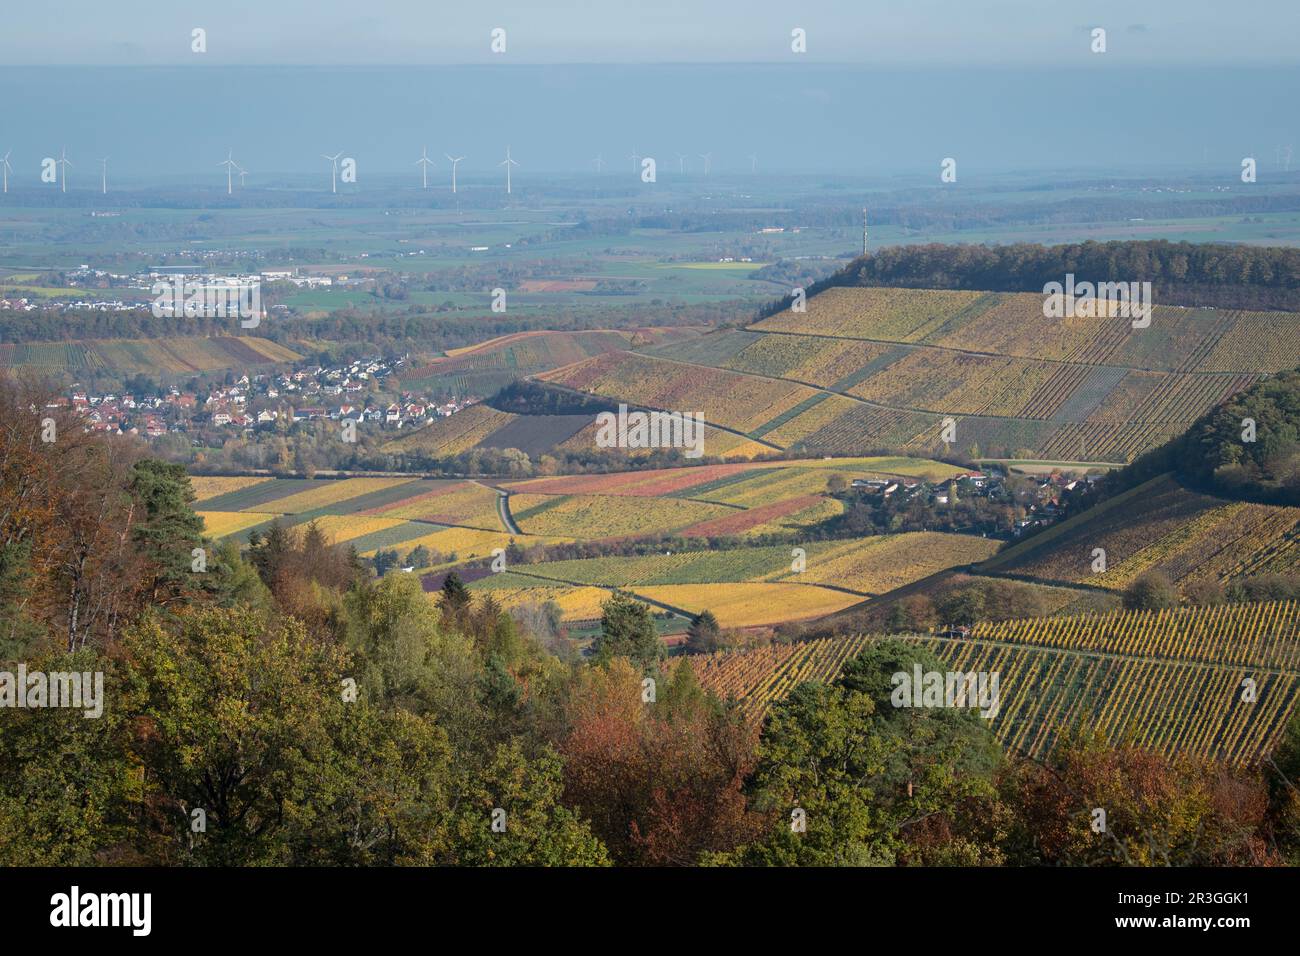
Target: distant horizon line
x,y
911,65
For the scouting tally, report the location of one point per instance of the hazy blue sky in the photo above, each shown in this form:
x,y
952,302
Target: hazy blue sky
x,y
885,87
869,32
855,120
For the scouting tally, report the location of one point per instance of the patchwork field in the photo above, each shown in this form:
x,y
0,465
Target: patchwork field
x,y
744,586
1171,681
759,586
457,520
743,499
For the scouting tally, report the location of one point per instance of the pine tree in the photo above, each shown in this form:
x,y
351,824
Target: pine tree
x,y
703,636
455,596
626,630
170,530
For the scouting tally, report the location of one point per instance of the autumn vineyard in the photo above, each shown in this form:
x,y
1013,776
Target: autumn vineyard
x,y
1175,681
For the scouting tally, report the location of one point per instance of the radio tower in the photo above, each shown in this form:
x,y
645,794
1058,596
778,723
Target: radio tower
x,y
864,230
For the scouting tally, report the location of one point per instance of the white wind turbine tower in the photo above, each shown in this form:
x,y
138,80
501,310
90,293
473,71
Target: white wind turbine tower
x,y
753,164
708,160
507,163
6,168
231,166
425,162
242,173
681,163
453,160
65,163
334,170
599,163
103,170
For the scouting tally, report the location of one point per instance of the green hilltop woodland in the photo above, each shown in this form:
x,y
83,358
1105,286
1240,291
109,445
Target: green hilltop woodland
x,y
282,706
1181,273
1248,448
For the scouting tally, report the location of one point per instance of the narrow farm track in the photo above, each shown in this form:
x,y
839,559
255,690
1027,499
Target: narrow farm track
x,y
503,508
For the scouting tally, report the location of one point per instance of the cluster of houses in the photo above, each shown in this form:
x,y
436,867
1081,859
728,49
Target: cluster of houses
x,y
150,416
969,482
1047,505
346,392
1042,505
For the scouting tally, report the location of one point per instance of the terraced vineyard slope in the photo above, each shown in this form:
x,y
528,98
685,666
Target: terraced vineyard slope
x,y
882,368
1160,526
1217,682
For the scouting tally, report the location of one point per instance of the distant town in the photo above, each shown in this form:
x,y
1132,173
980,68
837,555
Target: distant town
x,y
262,401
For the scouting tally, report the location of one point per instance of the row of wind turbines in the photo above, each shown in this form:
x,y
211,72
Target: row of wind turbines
x,y
62,163
424,162
1284,154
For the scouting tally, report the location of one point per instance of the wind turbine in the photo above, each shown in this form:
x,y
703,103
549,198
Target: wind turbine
x,y
425,162
242,173
231,166
334,170
65,163
507,163
636,162
753,164
453,160
681,163
4,165
599,162
103,169
708,159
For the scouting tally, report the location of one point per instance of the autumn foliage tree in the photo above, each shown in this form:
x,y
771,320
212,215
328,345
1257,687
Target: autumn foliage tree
x,y
1095,804
660,780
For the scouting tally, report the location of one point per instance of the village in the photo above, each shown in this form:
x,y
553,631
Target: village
x,y
356,391
1036,500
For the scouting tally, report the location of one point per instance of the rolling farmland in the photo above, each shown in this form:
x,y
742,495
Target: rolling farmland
x,y
745,586
1172,681
882,368
458,520
761,586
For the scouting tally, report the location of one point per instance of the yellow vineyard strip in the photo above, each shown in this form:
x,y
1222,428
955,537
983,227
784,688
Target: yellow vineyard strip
x,y
209,486
219,524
